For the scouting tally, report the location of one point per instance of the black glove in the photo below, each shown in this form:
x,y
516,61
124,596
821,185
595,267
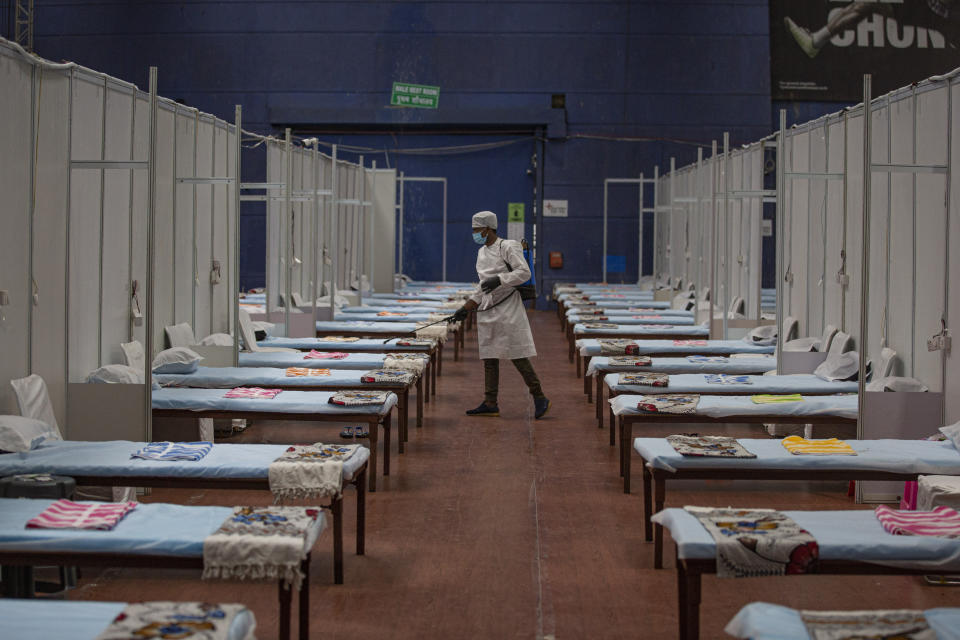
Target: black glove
x,y
460,315
490,284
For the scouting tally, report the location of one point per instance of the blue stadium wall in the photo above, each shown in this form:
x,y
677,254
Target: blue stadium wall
x,y
642,81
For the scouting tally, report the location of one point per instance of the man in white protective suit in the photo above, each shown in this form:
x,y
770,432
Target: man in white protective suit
x,y
502,327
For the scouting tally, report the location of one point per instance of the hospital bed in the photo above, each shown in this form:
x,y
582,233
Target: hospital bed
x,y
309,406
346,328
234,467
577,314
641,332
152,536
898,460
82,619
850,542
276,378
765,621
716,409
589,347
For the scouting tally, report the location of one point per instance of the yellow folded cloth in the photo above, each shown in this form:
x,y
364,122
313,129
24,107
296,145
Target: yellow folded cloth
x,y
296,372
767,398
826,447
339,339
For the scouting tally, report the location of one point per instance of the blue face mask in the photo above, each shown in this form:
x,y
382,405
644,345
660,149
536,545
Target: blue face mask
x,y
478,237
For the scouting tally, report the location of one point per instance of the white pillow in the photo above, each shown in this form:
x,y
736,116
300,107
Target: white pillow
x,y
116,374
765,335
34,400
133,354
218,340
845,366
23,434
896,383
176,360
180,335
266,327
953,434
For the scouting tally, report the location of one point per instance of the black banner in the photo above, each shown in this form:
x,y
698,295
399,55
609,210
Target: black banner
x,y
820,49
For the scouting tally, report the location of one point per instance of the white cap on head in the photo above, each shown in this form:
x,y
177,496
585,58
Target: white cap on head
x,y
484,219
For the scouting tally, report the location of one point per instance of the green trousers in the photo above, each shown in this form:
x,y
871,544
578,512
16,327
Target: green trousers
x,y
491,376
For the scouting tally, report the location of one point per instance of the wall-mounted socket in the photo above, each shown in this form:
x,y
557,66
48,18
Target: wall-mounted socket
x,y
4,298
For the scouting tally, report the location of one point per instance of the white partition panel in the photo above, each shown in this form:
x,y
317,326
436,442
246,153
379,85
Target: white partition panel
x,y
164,240
139,230
203,197
952,359
834,220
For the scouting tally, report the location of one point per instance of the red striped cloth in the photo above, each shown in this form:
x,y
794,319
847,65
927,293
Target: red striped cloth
x,y
66,514
942,522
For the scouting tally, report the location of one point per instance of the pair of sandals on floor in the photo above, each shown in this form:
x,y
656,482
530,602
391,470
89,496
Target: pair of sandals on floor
x,y
349,433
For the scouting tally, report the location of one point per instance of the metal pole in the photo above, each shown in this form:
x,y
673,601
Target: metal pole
x,y
604,266
656,195
361,226
372,222
334,230
865,256
315,257
151,230
714,175
444,278
697,185
639,233
235,314
400,230
670,216
726,232
287,230
778,219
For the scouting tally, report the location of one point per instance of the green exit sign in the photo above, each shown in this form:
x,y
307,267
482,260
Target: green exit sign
x,y
415,95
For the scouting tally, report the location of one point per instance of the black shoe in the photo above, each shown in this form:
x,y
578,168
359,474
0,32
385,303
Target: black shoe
x,y
485,410
540,406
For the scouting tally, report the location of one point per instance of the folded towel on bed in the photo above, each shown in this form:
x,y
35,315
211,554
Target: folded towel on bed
x,y
903,624
942,522
395,376
416,342
253,392
436,331
339,338
690,343
260,543
726,378
707,359
67,514
412,362
824,447
191,451
325,355
199,620
618,347
647,379
647,317
709,446
600,325
309,471
359,398
391,314
758,542
303,372
669,403
630,361
770,398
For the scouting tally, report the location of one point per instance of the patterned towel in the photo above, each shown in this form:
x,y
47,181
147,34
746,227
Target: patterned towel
x,y
689,343
339,339
630,361
394,376
191,451
589,311
640,309
726,378
758,542
600,325
416,342
309,471
942,522
709,446
253,392
325,355
437,331
359,398
647,317
669,403
67,514
618,347
386,314
304,372
261,543
196,620
769,398
413,362
825,447
707,359
900,624
646,379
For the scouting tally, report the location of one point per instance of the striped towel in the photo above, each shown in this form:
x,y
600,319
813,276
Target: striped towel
x,y
191,451
295,372
67,514
826,447
942,522
325,355
252,392
769,398
689,343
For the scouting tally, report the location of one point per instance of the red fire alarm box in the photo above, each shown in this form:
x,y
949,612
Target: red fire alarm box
x,y
556,259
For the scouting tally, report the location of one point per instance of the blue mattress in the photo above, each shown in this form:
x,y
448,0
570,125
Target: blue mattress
x,y
281,360
697,383
381,344
759,364
698,331
632,320
627,312
844,406
620,303
229,377
841,535
332,326
399,308
442,297
591,347
895,456
286,402
373,317
763,621
112,458
79,620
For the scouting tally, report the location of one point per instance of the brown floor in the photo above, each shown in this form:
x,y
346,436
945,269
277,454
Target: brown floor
x,y
514,528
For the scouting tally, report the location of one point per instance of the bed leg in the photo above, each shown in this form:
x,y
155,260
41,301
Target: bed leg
x,y
387,423
361,483
599,400
647,502
336,509
570,350
403,413
427,383
587,388
626,440
401,447
578,361
419,402
688,600
613,418
456,345
434,371
286,594
372,471
619,426
305,600
613,432
439,358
